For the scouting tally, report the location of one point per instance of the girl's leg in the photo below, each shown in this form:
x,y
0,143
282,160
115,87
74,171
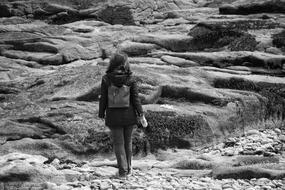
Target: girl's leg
x,y
119,149
128,130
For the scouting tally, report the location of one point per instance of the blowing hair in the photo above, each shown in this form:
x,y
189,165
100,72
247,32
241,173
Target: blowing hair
x,y
119,61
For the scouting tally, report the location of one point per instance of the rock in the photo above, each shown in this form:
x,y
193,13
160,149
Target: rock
x,y
229,152
56,163
245,8
246,172
137,49
5,10
14,131
21,170
105,186
51,8
146,60
73,52
250,160
105,171
207,68
178,61
232,58
135,12
279,39
228,32
14,20
231,25
194,164
171,42
143,165
71,175
42,58
15,38
274,50
34,159
282,138
117,14
278,131
252,132
40,47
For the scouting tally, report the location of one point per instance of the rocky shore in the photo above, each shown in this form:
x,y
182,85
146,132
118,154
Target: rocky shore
x,y
210,76
254,161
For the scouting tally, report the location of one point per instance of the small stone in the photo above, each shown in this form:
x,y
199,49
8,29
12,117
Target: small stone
x,y
282,138
265,187
216,187
252,188
55,163
105,186
262,181
229,152
3,140
273,50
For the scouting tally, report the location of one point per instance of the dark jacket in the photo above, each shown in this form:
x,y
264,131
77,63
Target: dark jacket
x,y
119,116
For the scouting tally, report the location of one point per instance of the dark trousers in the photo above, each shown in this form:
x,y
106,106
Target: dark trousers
x,y
122,144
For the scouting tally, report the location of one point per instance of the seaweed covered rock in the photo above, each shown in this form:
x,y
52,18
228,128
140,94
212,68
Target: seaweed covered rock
x,y
230,33
247,172
279,40
274,93
167,129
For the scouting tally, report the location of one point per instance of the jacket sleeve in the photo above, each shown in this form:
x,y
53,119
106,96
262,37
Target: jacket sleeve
x,y
103,99
135,99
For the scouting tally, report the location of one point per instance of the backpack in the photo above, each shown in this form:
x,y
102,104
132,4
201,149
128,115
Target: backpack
x,y
118,97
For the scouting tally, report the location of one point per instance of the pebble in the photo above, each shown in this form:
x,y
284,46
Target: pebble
x,y
157,179
229,152
282,138
277,130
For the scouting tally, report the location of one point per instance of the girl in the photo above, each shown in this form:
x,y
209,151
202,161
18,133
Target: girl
x,y
120,120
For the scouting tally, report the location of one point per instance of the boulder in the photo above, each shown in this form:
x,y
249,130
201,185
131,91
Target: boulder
x,y
117,14
27,168
243,7
230,33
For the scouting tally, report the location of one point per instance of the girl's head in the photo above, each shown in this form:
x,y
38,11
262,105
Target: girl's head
x,y
119,62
